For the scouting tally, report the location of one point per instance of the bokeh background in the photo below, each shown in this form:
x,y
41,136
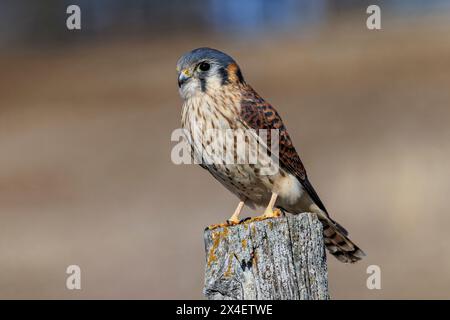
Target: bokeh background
x,y
86,117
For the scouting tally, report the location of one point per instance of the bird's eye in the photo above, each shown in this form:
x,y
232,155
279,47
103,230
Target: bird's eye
x,y
204,66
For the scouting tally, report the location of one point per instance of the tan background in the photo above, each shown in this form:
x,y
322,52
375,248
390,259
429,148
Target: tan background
x,y
86,176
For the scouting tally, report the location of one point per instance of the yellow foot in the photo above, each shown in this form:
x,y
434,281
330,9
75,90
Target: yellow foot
x,y
234,221
267,215
275,213
228,223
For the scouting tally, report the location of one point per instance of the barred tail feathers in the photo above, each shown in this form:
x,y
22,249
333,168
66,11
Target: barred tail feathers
x,y
338,243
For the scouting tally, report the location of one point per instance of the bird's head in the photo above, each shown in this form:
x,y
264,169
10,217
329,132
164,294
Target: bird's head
x,y
204,70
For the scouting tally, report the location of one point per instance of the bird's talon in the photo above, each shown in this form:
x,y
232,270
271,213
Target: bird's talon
x,y
233,222
218,225
228,223
273,213
268,214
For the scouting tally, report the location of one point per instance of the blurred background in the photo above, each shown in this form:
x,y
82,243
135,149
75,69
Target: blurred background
x,y
86,117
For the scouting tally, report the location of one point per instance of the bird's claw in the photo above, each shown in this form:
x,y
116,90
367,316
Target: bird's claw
x,y
233,222
228,223
275,213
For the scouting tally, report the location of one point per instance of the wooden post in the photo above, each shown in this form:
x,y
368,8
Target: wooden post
x,y
281,258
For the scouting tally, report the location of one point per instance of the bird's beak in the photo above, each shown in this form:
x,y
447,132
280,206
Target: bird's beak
x,y
184,76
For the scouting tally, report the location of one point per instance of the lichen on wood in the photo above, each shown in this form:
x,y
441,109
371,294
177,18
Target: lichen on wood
x,y
281,258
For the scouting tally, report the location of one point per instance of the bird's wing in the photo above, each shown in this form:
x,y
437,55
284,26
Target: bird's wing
x,y
258,114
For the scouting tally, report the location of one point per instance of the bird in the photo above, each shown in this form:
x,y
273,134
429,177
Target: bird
x,y
216,97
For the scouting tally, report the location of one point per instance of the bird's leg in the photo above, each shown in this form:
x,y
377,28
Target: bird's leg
x,y
270,212
235,217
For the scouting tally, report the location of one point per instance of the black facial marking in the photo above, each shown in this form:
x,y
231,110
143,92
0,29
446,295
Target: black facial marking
x,y
224,75
204,68
203,84
239,75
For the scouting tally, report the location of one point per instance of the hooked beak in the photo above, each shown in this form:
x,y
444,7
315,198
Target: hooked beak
x,y
183,77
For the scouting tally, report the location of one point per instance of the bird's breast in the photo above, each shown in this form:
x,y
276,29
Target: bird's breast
x,y
206,121
205,112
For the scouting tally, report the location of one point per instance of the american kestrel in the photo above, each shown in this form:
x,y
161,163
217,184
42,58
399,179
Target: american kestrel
x,y
216,96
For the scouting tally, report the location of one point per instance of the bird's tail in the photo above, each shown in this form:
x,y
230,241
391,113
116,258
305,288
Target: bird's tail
x,y
338,243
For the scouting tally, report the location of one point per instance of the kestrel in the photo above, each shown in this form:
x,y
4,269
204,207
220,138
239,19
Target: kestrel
x,y
216,96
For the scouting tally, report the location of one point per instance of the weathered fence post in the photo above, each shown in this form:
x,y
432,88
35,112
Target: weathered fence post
x,y
281,258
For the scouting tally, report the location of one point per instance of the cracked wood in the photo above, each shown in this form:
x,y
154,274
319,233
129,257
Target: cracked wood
x,y
282,258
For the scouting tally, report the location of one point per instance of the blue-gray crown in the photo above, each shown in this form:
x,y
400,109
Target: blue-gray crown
x,y
204,53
